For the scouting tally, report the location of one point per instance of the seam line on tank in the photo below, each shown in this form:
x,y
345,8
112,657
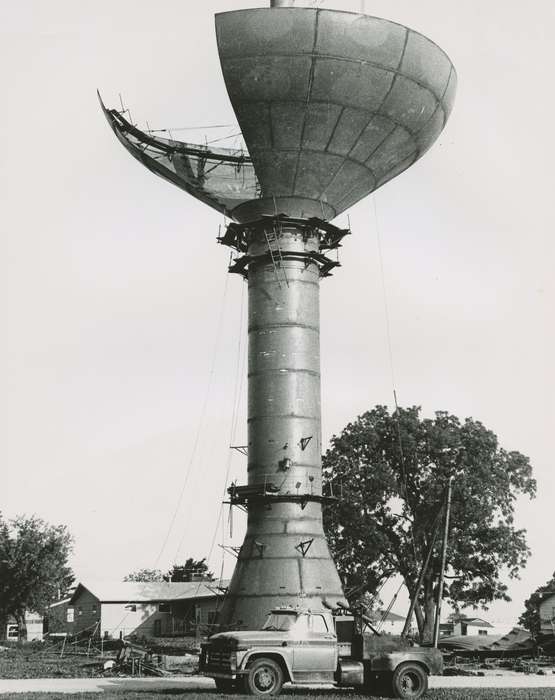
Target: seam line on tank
x,y
284,324
307,101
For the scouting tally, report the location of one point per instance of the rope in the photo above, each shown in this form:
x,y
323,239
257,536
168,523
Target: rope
x,y
390,606
192,128
223,138
200,424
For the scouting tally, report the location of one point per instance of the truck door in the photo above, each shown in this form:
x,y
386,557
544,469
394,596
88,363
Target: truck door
x,y
314,646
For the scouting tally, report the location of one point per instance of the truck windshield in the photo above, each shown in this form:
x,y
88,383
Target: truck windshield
x,y
279,621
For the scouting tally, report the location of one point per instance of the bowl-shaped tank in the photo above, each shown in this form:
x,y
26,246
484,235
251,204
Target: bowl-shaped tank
x,y
331,104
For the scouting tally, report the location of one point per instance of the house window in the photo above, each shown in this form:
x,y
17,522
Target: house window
x,y
79,611
94,609
164,607
482,632
12,633
69,615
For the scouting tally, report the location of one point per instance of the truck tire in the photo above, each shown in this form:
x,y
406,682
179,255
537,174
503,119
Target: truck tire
x,y
264,677
409,681
225,685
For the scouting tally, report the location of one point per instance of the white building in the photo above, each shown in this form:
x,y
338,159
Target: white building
x,y
547,612
33,623
151,609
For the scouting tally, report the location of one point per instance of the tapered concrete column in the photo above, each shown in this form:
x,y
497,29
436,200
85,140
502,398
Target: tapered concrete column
x,y
284,559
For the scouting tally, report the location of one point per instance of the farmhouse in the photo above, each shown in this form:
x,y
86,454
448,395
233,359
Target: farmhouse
x,y
466,626
547,612
388,622
153,609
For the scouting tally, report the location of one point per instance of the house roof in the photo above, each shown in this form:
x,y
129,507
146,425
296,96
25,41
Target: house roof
x,y
475,622
389,617
517,638
59,602
472,642
150,592
468,621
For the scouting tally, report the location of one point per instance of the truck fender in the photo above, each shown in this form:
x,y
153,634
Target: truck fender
x,y
272,653
389,662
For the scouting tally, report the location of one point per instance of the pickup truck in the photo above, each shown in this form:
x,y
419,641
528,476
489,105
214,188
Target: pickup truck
x,y
317,647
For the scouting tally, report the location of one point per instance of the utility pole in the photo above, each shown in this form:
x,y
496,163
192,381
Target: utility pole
x,y
443,560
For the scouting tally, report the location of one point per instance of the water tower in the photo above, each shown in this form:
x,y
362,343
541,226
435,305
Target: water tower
x,y
331,105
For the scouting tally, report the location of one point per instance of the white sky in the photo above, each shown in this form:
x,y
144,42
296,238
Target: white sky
x,y
112,282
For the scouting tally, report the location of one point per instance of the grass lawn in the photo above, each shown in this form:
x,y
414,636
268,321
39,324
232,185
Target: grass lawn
x,y
452,694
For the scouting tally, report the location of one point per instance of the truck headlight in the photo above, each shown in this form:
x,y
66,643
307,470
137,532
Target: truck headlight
x,y
233,661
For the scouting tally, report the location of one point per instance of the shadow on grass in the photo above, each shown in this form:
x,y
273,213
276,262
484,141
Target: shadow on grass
x,y
343,694
297,693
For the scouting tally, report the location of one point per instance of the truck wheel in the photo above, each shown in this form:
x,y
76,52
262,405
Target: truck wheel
x,y
264,677
225,685
409,681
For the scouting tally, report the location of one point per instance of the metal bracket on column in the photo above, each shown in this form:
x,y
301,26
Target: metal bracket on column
x,y
269,493
303,547
325,264
238,235
243,449
304,442
235,551
260,546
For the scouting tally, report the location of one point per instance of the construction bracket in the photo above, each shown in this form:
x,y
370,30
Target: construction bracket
x,y
304,442
303,547
235,551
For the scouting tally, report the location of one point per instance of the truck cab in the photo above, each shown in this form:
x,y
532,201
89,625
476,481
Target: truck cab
x,y
314,647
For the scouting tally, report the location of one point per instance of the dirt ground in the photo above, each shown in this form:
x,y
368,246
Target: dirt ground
x,y
25,663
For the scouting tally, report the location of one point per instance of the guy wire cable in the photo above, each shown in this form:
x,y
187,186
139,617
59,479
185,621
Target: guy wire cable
x,y
391,366
234,419
200,424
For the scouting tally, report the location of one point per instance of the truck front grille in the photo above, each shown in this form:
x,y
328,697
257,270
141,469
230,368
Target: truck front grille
x,y
220,658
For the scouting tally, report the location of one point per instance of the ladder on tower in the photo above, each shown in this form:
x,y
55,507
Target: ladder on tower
x,y
276,256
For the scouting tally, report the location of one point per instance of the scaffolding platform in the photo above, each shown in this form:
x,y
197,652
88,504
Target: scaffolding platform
x,y
268,492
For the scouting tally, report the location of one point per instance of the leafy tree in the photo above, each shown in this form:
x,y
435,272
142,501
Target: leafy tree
x,y
530,618
34,570
145,576
190,570
393,471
